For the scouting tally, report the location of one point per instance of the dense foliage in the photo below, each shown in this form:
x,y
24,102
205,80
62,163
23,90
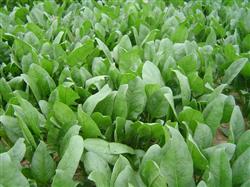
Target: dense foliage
x,y
125,93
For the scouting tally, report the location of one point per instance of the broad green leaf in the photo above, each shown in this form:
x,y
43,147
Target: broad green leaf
x,y
64,115
228,147
154,153
196,83
89,127
188,63
42,165
98,168
93,162
21,48
213,113
102,146
180,34
129,61
233,70
74,130
120,164
200,161
17,152
79,54
26,133
69,162
228,109
211,38
5,90
170,99
91,102
157,104
66,95
108,101
203,136
30,115
125,177
177,163
105,49
33,86
237,124
136,98
58,38
220,169
39,76
151,74
241,168
243,143
191,116
120,107
11,127
184,86
152,175
10,175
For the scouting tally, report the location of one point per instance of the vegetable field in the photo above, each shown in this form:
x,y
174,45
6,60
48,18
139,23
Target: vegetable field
x,y
125,93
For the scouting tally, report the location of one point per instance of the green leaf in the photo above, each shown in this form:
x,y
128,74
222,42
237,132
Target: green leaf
x,y
26,133
39,76
42,165
151,74
233,70
69,162
105,49
152,175
120,107
203,136
64,115
91,102
170,99
184,86
11,127
243,143
89,127
30,115
136,98
211,38
10,174
213,113
33,86
180,34
5,90
74,130
17,152
220,169
237,124
98,168
120,164
200,161
129,61
102,146
157,104
241,168
125,177
79,54
196,83
191,116
228,147
177,163
188,63
66,95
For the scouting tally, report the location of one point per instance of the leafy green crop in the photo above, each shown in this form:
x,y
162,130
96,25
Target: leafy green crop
x,y
125,93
